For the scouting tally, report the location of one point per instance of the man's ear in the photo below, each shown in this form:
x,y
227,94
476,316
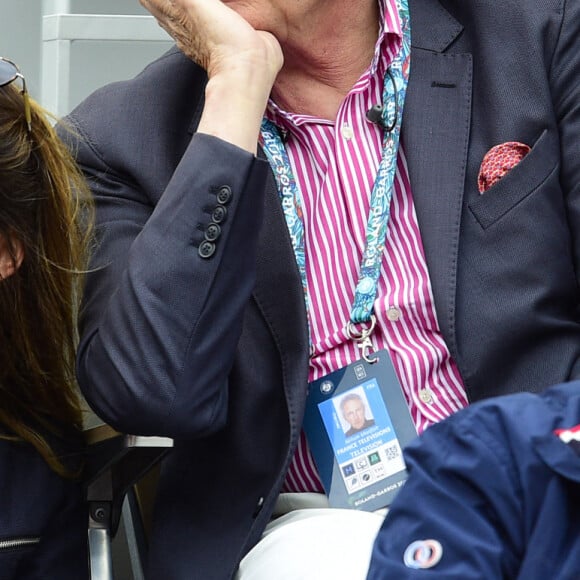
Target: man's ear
x,y
11,255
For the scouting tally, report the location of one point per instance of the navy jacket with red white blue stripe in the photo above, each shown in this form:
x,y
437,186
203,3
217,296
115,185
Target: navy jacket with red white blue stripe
x,y
493,492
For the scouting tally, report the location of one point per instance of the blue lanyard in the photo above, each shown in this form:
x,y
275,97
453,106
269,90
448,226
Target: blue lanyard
x,y
394,89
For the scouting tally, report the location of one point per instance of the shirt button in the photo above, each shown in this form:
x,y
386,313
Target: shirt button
x,y
425,396
393,314
347,131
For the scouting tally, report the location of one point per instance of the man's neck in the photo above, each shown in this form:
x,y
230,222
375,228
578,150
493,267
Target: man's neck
x,y
325,57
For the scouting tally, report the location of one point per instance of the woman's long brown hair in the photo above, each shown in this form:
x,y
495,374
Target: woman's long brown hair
x,y
45,205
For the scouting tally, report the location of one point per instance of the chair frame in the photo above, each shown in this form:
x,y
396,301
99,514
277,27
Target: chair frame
x,y
115,462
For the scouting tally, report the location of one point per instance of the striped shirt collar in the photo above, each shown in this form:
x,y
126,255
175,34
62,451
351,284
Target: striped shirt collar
x,y
390,35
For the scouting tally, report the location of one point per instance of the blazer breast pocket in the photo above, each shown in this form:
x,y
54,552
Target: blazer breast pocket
x,y
523,180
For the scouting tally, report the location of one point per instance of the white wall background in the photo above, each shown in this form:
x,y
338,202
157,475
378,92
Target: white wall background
x,y
61,77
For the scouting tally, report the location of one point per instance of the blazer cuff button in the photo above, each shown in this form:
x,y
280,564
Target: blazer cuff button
x,y
219,214
212,232
224,195
206,250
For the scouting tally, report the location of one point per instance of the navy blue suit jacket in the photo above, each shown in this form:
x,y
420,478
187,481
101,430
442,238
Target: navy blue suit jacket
x,y
214,351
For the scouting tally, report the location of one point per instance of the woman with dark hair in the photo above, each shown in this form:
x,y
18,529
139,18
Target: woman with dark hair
x,y
44,219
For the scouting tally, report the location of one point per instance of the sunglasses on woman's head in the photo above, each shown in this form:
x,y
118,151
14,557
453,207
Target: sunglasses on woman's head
x,y
9,72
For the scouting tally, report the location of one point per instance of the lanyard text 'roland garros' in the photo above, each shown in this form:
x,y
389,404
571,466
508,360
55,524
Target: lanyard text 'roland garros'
x,y
362,319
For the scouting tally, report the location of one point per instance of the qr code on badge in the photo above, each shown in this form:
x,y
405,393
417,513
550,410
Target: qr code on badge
x,y
392,451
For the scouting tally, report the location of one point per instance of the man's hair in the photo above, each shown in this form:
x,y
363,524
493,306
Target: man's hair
x,y
350,397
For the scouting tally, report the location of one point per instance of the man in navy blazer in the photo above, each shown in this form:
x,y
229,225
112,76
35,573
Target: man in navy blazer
x,y
200,333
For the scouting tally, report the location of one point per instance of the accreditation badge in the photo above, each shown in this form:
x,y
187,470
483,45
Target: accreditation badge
x,y
357,421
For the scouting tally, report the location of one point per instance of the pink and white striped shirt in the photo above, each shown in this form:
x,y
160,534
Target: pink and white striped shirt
x,y
335,165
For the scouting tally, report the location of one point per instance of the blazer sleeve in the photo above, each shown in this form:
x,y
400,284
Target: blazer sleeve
x,y
160,322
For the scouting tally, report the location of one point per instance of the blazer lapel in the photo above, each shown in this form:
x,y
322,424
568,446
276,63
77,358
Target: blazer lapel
x,y
279,295
435,136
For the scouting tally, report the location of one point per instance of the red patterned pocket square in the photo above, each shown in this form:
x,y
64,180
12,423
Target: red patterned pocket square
x,y
499,161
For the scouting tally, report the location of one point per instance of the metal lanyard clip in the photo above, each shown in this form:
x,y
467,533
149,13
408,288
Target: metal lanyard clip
x,y
362,337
